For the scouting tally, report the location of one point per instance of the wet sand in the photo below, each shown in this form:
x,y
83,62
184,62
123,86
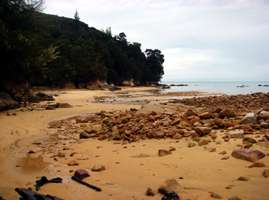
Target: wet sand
x,y
130,168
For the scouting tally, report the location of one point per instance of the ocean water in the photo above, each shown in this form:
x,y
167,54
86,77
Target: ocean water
x,y
220,87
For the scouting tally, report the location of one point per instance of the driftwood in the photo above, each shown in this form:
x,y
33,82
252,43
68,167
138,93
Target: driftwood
x,y
86,184
29,194
44,180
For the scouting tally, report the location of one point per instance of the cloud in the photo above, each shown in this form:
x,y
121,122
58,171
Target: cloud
x,y
201,39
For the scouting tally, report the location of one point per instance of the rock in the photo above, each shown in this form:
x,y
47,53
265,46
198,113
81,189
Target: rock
x,y
212,149
237,133
234,198
257,164
202,131
150,192
172,149
242,178
264,115
41,96
215,195
73,163
98,168
158,135
189,113
191,144
226,113
264,125
223,152
247,154
203,142
225,158
250,118
55,124
265,173
63,105
163,152
170,185
205,115
6,102
247,140
170,196
84,135
81,174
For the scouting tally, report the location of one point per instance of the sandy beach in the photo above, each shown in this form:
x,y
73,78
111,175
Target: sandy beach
x,y
30,148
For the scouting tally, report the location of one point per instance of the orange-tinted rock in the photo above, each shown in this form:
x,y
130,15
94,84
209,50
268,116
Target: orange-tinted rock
x,y
247,154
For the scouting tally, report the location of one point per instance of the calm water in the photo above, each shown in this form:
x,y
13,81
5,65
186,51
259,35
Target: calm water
x,y
220,87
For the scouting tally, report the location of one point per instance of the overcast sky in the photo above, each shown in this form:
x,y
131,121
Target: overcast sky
x,y
202,40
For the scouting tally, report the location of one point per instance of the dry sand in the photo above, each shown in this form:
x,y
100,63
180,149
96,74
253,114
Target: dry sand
x,y
130,168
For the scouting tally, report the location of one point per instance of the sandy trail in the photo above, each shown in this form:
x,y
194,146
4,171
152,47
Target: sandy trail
x,y
130,168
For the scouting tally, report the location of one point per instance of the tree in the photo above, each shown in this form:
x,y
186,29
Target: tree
x,y
154,60
76,16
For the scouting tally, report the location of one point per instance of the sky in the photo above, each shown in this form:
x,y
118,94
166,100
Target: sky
x,y
202,40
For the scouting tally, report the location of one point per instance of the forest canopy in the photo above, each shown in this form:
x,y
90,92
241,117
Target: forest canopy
x,y
47,50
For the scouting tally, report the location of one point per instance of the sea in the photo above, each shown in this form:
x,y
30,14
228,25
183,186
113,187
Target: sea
x,y
227,87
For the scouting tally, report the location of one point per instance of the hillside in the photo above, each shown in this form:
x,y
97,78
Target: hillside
x,y
47,50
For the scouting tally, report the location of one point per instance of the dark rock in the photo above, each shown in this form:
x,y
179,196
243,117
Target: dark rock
x,y
264,125
226,113
170,196
247,154
41,96
163,152
189,113
249,140
150,192
257,164
265,173
6,102
63,105
264,115
72,163
81,174
84,135
242,178
215,195
202,131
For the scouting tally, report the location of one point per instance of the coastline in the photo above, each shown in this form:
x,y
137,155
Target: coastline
x,y
130,167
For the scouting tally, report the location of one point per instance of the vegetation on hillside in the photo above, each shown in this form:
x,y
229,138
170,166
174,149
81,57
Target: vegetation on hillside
x,y
47,50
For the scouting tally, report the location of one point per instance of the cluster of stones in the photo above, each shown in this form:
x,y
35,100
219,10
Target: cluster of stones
x,y
134,125
236,102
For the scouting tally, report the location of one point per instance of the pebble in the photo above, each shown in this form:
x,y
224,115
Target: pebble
x,y
98,168
265,173
163,152
150,192
215,195
242,178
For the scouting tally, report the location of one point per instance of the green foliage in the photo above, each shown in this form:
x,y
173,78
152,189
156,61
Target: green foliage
x,y
50,50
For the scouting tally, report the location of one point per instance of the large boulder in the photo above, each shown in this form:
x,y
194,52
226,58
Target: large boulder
x,y
248,154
